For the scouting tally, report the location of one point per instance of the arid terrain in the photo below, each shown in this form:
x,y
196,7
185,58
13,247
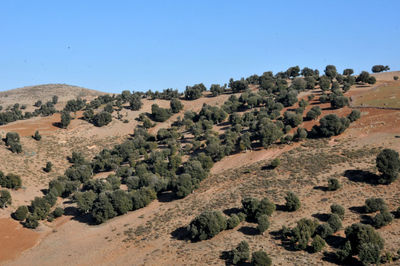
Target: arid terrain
x,y
153,235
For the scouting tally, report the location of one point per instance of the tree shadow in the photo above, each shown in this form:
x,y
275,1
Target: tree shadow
x,y
357,209
231,211
361,176
322,188
335,241
181,233
250,231
57,124
281,207
323,217
78,216
366,219
166,196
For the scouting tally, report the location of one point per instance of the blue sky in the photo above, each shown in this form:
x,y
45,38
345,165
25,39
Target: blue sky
x,y
139,45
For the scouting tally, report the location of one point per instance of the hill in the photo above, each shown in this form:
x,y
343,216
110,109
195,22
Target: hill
x,y
156,234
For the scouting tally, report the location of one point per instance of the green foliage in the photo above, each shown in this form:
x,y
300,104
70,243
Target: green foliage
x,y
135,102
359,234
314,112
381,219
101,119
74,105
260,258
338,210
262,223
331,125
31,222
275,163
159,114
207,225
80,173
176,105
324,230
348,72
232,221
324,83
40,208
388,164
121,201
58,212
339,102
195,92
21,213
369,254
238,85
292,119
10,181
354,115
12,140
363,77
65,119
103,209
241,253
379,68
37,136
253,208
217,89
375,204
330,71
335,222
5,198
292,202
333,184
85,200
345,252
317,244
302,233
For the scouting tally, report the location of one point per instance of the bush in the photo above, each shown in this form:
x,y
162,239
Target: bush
x,y
314,112
159,114
331,125
324,230
85,200
317,244
48,167
262,223
241,253
379,68
176,105
388,164
335,222
369,254
101,119
275,163
260,258
37,136
12,140
195,92
381,219
254,208
135,102
20,213
232,221
207,225
344,253
292,119
338,209
10,181
65,119
292,202
5,198
58,212
354,115
339,102
333,184
359,234
374,204
31,222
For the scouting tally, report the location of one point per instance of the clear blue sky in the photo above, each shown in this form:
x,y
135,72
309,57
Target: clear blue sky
x,y
140,45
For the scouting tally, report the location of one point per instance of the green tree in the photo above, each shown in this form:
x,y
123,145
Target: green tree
x,y
31,222
374,205
354,115
379,68
101,119
339,102
331,125
333,184
317,244
159,114
324,83
338,209
21,213
314,112
359,234
85,200
292,202
48,167
334,222
260,258
65,119
176,105
207,225
232,221
37,136
330,71
241,253
5,198
388,164
262,223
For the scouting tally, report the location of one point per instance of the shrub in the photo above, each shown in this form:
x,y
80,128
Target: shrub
x,y
388,164
359,234
101,119
369,254
103,209
335,222
314,112
338,209
159,114
85,200
317,244
65,119
331,125
241,253
195,92
339,102
58,212
262,223
232,221
275,163
37,136
207,225
333,184
135,102
354,115
20,213
31,222
40,208
374,204
292,119
260,258
379,68
324,230
324,83
5,198
176,105
292,202
344,253
12,140
48,167
381,219
10,181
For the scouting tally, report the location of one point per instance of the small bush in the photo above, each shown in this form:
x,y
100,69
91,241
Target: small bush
x,y
5,198
381,219
333,184
20,213
275,163
37,136
48,167
207,225
388,163
324,230
369,254
232,221
241,253
338,209
335,222
374,204
292,202
260,258
58,212
31,222
317,244
10,181
354,115
262,223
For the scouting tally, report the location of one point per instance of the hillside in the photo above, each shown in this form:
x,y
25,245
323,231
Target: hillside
x,y
156,234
